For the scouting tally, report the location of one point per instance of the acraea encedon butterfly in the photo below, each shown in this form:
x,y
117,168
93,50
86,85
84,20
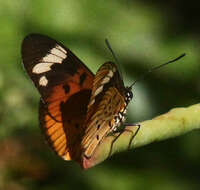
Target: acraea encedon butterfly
x,y
77,108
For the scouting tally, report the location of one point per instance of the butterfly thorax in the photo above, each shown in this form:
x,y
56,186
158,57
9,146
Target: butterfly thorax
x,y
121,116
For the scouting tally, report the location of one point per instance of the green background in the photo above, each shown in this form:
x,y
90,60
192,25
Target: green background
x,y
143,34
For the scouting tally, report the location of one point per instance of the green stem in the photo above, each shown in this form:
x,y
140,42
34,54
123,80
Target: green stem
x,y
176,122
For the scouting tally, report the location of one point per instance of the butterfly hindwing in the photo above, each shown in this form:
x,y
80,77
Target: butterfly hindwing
x,y
106,103
65,84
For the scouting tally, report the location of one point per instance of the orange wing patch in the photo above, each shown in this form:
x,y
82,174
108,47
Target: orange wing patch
x,y
63,115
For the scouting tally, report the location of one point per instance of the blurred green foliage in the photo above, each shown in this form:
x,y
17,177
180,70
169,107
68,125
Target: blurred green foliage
x,y
142,34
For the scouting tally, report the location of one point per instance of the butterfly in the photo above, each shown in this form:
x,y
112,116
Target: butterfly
x,y
77,108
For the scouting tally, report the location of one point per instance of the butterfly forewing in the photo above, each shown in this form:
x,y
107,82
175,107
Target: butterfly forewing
x,y
49,63
65,84
107,101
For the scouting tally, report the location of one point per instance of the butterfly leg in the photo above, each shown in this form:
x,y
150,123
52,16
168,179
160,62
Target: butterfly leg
x,y
120,133
112,143
134,125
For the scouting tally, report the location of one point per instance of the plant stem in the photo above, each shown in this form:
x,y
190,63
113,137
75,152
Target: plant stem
x,y
176,122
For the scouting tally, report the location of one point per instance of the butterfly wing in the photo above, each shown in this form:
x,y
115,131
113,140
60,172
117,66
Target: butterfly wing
x,y
106,103
65,84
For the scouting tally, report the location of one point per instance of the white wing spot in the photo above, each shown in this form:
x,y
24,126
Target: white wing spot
x,y
42,68
92,102
110,74
52,58
98,90
60,48
43,81
105,80
58,52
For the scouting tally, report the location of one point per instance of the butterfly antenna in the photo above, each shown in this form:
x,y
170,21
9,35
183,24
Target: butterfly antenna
x,y
113,54
155,68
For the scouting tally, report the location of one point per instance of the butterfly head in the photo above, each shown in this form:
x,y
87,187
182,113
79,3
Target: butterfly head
x,y
128,94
